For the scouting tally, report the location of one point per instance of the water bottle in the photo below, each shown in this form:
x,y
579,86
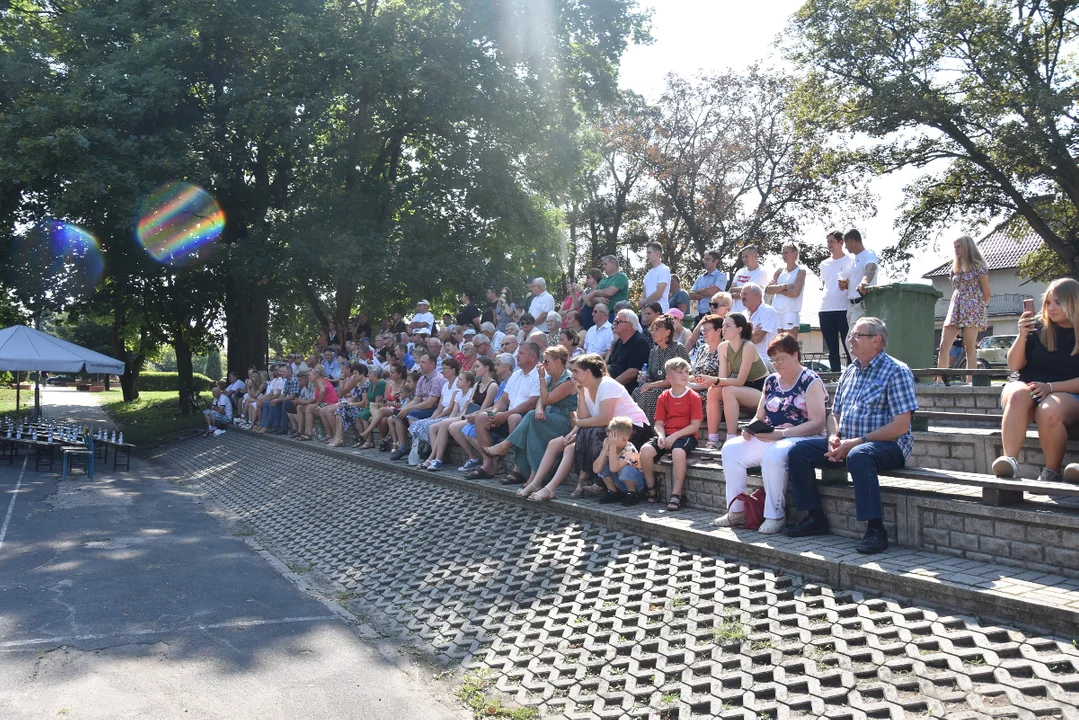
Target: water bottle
x,y
121,437
644,373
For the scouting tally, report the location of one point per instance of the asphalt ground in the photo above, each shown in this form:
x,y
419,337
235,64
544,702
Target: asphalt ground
x,y
123,598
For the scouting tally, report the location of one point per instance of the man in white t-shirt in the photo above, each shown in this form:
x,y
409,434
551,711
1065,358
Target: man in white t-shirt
x,y
521,395
600,336
764,317
542,302
423,317
751,272
220,412
657,281
862,275
833,307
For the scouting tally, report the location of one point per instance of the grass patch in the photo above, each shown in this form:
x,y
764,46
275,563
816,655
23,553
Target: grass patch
x,y
731,631
473,692
154,417
298,568
669,699
240,529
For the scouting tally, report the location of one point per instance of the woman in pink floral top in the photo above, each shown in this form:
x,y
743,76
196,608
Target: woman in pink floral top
x,y
968,312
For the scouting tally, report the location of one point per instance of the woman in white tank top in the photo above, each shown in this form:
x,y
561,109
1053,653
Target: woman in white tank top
x,y
787,288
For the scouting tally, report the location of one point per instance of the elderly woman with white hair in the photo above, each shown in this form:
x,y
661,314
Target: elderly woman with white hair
x,y
554,324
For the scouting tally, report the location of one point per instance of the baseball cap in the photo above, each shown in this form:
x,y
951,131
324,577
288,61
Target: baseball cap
x,y
423,302
675,312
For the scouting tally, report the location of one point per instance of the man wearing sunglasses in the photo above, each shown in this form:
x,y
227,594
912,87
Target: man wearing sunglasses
x,y
871,433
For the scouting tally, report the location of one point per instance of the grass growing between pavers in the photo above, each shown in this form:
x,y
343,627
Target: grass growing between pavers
x,y
473,693
154,417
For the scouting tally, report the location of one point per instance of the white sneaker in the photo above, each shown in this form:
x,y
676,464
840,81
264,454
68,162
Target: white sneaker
x,y
1006,467
733,519
771,526
1071,472
218,432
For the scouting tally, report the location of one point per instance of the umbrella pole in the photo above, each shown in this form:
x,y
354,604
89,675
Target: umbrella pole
x,y
18,390
37,397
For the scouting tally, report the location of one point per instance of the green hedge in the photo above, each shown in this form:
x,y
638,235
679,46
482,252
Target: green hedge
x,y
170,381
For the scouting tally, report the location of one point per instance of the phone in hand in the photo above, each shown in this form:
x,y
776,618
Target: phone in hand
x,y
758,427
1028,305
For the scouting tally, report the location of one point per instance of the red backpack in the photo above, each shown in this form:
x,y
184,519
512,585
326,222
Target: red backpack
x,y
753,507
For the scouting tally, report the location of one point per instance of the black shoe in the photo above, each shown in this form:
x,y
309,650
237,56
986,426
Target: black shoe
x,y
631,499
401,453
809,525
875,541
611,497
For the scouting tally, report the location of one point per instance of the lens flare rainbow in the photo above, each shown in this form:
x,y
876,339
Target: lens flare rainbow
x,y
179,223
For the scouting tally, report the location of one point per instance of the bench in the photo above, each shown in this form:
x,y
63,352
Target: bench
x,y
996,491
81,453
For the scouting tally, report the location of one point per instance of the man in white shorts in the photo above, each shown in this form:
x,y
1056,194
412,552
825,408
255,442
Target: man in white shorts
x,y
863,275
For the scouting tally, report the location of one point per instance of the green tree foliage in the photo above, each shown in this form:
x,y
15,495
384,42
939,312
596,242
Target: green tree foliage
x,y
982,93
362,152
725,165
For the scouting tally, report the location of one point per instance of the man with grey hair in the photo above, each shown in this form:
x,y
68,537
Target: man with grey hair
x,y
612,289
764,317
599,337
871,423
542,301
629,353
493,335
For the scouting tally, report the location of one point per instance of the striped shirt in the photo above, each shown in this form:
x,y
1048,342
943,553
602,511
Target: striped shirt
x,y
870,397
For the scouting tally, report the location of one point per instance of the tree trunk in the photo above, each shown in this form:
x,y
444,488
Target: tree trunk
x,y
247,319
344,296
186,381
133,362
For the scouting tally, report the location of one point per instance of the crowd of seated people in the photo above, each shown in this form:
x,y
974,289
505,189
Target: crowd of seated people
x,y
598,392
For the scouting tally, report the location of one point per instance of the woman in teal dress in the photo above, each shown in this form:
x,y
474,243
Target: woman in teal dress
x,y
552,417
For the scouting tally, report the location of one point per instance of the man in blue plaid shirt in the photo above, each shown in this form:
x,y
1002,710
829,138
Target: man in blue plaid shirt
x,y
871,415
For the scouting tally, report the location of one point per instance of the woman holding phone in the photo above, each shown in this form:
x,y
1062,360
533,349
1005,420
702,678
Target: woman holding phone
x,y
792,408
1046,356
968,311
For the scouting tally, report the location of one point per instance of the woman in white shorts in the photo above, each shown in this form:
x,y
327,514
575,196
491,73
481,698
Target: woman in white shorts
x,y
786,289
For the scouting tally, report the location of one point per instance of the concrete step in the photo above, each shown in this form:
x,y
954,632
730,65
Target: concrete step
x,y
1027,596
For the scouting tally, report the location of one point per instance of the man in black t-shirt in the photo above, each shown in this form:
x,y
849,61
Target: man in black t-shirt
x,y
469,314
630,350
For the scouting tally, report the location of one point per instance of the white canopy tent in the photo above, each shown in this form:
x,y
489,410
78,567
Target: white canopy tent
x,y
24,349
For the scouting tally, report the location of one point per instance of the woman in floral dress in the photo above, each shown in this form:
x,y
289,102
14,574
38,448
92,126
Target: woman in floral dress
x,y
968,311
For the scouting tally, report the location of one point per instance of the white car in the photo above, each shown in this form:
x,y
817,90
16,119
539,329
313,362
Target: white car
x,y
993,351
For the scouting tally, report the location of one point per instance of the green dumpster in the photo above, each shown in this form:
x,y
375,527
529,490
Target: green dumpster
x,y
907,310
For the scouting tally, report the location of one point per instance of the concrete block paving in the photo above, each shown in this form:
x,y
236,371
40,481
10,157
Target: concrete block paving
x,y
581,621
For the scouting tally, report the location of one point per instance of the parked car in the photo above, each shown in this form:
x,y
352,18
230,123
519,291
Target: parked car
x,y
60,379
993,351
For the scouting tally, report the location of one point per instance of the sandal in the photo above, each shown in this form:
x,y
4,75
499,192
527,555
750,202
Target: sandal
x,y
487,451
653,494
577,493
479,474
674,502
369,445
513,478
526,491
541,495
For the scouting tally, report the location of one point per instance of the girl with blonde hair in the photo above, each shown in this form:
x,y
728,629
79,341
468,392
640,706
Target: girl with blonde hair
x,y
968,312
1047,392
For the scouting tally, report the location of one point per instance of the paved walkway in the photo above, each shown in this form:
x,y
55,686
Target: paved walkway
x,y
584,621
122,598
68,405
